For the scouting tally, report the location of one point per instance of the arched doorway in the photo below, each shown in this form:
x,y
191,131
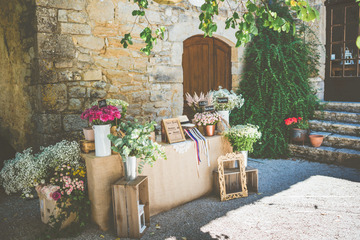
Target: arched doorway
x,y
206,65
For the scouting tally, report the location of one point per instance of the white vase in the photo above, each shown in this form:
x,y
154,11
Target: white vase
x,y
102,142
130,168
224,115
245,154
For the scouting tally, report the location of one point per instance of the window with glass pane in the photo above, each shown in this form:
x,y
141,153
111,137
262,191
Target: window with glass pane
x,y
344,55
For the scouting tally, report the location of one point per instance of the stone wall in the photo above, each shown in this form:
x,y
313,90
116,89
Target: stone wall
x,y
74,57
319,28
81,60
16,71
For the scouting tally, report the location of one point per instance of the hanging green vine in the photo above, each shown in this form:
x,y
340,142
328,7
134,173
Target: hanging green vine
x,y
241,20
275,84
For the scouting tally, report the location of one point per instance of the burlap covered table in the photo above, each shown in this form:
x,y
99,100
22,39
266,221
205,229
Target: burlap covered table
x,y
172,182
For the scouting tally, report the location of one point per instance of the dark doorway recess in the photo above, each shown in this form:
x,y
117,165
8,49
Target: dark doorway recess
x,y
342,77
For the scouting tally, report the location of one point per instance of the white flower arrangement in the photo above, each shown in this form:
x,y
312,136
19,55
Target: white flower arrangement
x,y
242,137
28,170
234,100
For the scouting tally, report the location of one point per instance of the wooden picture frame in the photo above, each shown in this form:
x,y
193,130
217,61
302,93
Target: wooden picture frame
x,y
173,130
239,171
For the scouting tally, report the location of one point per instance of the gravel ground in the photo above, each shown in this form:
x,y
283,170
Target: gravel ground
x,y
297,200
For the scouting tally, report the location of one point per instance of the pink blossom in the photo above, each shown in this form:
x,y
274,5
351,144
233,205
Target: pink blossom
x,y
56,196
104,118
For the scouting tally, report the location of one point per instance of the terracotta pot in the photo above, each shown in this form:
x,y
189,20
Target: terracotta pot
x,y
210,130
298,135
89,134
316,140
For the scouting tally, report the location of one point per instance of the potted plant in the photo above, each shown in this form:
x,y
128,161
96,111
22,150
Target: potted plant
x,y
316,139
134,143
194,101
299,128
121,106
59,176
225,101
207,119
102,119
242,138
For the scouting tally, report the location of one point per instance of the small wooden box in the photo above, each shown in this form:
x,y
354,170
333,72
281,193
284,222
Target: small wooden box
x,y
232,181
131,206
87,146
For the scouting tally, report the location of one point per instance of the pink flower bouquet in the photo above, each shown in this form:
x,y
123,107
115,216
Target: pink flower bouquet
x,y
101,116
206,118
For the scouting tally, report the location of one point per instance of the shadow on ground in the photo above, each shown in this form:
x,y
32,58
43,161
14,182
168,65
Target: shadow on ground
x,y
20,219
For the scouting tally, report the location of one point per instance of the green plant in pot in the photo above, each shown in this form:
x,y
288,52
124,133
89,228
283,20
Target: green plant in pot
x,y
134,143
242,138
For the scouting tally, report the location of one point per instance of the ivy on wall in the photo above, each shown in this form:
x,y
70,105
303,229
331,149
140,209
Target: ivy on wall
x,y
275,84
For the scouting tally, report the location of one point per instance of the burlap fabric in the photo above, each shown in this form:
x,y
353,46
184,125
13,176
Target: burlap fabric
x,y
102,172
172,182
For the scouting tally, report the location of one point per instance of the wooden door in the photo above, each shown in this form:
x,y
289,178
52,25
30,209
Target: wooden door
x,y
206,65
342,76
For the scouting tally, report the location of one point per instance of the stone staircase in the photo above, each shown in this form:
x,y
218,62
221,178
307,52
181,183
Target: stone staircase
x,y
339,122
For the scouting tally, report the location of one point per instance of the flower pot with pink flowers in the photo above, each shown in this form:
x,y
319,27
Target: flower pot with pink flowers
x,y
208,120
102,119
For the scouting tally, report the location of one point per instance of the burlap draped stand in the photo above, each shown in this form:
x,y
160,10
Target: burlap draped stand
x,y
172,182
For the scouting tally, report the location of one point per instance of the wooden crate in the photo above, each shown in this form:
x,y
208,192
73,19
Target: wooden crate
x,y
126,199
49,208
232,180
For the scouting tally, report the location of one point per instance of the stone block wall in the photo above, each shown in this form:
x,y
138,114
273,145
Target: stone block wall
x,y
81,60
319,28
73,56
17,52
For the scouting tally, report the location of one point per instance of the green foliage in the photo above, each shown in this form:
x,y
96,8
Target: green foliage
x,y
136,142
243,21
275,85
246,24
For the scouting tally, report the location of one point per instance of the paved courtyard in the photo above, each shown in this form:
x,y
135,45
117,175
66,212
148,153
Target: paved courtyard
x,y
297,200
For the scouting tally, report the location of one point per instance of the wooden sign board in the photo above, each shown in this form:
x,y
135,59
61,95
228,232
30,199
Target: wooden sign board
x,y
102,103
209,108
202,103
223,100
173,130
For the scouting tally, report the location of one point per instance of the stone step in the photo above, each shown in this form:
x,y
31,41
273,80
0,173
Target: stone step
x,y
343,156
352,129
339,141
342,106
337,116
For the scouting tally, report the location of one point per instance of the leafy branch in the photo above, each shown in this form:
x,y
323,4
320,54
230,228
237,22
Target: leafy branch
x,y
147,34
244,22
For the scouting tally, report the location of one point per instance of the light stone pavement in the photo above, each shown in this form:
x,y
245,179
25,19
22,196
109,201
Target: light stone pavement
x,y
297,200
